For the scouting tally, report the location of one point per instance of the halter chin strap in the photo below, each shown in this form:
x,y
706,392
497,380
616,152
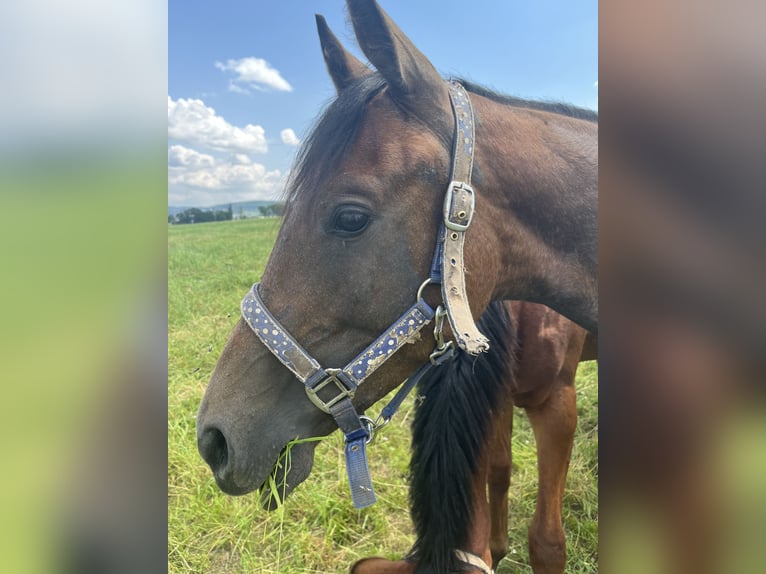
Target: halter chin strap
x,y
331,390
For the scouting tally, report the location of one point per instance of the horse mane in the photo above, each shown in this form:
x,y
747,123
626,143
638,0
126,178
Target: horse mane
x,y
451,427
560,108
335,130
332,136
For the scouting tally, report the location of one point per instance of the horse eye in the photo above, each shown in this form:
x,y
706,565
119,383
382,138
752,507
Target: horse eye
x,y
350,221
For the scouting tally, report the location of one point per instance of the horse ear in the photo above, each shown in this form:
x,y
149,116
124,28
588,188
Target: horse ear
x,y
412,80
343,67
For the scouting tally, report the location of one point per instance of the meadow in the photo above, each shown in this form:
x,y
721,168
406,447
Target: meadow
x,y
210,268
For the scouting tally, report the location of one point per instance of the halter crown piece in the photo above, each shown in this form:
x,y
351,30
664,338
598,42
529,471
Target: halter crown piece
x,y
331,390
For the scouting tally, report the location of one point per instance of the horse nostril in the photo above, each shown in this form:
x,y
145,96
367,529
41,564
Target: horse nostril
x,y
213,448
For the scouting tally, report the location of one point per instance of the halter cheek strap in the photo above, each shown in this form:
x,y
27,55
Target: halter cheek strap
x,y
459,202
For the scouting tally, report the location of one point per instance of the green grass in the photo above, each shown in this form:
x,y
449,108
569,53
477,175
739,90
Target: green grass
x,y
210,267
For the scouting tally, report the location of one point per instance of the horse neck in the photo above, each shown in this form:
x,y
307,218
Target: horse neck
x,y
536,174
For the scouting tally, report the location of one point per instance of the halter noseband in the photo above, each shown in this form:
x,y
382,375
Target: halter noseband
x,y
331,390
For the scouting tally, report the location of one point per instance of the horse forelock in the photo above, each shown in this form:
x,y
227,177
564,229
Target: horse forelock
x,y
331,137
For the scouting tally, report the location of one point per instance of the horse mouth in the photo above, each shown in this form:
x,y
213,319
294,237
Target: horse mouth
x,y
292,467
231,489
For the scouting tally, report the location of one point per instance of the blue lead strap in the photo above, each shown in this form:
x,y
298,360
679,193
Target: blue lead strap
x,y
390,409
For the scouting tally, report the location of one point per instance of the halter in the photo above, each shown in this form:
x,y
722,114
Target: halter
x,y
331,390
473,560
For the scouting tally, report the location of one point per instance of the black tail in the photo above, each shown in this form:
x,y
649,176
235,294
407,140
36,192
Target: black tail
x,y
451,426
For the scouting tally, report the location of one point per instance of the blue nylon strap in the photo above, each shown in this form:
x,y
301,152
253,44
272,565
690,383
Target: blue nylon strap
x,y
362,493
357,469
318,376
346,417
435,273
390,409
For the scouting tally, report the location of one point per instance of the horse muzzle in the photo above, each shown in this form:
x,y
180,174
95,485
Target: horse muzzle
x,y
218,453
233,476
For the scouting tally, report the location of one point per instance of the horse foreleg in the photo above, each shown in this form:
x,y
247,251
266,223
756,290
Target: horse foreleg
x,y
498,481
554,423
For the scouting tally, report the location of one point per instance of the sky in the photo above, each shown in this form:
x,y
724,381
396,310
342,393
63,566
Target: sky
x,y
246,79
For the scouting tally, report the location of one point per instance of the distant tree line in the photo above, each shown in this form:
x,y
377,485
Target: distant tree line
x,y
195,215
273,210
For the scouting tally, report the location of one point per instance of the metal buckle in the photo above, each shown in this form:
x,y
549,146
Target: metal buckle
x,y
345,391
463,222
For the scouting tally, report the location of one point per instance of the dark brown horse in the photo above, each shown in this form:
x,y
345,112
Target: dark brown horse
x,y
549,349
546,349
363,214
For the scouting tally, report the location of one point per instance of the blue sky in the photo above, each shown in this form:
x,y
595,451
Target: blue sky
x,y
246,78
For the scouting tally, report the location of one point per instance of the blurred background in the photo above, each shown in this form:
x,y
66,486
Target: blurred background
x,y
83,178
681,247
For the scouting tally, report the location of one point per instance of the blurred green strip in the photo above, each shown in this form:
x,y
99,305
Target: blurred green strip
x,y
82,250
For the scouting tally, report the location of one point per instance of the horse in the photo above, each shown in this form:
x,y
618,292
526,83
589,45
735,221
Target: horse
x,y
366,202
532,365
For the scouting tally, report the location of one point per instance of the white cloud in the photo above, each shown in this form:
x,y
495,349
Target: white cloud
x,y
191,121
288,137
253,73
210,160
200,179
241,158
233,87
227,175
180,156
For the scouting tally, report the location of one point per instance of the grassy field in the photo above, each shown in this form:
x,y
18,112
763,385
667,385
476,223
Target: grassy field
x,y
210,267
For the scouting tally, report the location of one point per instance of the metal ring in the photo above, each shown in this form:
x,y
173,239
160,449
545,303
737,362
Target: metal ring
x,y
369,424
420,290
381,421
